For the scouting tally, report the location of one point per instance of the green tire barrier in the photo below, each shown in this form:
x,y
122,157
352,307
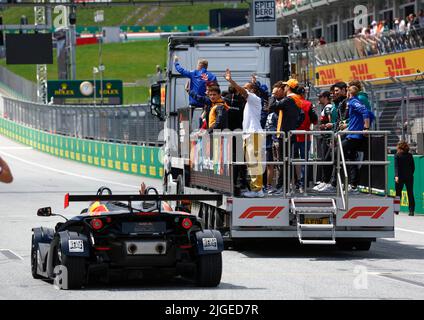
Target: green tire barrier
x,y
137,160
418,185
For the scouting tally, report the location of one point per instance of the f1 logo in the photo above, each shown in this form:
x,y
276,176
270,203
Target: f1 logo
x,y
268,212
372,212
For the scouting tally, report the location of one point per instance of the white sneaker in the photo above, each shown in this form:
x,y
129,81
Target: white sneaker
x,y
271,190
328,188
353,190
319,186
253,194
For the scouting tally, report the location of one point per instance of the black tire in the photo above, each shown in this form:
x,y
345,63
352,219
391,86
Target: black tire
x,y
354,245
76,270
362,245
34,260
209,270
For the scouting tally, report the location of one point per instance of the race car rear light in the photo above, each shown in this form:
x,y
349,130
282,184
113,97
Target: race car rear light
x,y
96,224
186,223
150,214
187,246
66,204
102,248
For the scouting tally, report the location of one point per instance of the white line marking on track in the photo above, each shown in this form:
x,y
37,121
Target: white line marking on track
x,y
411,231
67,172
10,254
15,148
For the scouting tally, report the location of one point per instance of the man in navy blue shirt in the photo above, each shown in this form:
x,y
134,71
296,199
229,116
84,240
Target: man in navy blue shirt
x,y
359,120
199,79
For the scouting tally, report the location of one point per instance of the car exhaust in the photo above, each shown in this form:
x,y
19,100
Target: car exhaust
x,y
132,248
160,248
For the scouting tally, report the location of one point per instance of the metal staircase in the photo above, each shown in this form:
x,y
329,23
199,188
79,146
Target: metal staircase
x,y
315,208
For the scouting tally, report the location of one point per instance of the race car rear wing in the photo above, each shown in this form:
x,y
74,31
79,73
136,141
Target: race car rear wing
x,y
144,197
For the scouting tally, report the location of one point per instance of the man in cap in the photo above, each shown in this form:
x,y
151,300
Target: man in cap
x,y
288,105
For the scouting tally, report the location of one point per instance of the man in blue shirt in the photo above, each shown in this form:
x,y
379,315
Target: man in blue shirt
x,y
199,79
359,120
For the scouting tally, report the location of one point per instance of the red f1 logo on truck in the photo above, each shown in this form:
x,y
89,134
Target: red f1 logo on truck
x,y
372,212
268,212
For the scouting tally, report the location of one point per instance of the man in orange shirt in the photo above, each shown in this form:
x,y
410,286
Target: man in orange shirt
x,y
303,142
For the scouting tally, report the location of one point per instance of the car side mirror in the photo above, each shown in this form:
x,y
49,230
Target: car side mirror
x,y
44,212
155,101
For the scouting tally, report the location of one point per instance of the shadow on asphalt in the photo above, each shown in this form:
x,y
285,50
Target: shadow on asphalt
x,y
157,285
382,249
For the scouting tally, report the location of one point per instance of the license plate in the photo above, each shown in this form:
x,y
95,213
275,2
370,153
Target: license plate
x,y
76,245
143,227
210,244
317,221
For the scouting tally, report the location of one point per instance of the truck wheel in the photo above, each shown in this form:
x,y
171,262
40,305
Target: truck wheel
x,y
362,245
354,245
75,270
34,260
209,270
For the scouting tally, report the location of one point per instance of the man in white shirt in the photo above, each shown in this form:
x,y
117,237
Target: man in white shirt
x,y
253,140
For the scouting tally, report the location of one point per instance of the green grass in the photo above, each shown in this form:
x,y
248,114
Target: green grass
x,y
197,14
136,95
115,16
129,62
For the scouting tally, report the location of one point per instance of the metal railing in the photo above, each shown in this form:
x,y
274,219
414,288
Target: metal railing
x,y
341,160
132,124
398,105
363,46
17,86
292,162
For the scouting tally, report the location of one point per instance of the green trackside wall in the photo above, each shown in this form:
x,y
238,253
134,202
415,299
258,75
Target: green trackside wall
x,y
418,185
138,160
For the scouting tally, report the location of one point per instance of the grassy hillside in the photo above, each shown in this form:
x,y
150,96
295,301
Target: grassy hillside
x,y
132,15
129,62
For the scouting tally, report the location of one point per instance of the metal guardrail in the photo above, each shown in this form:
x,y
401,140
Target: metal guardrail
x,y
341,160
17,86
131,124
362,46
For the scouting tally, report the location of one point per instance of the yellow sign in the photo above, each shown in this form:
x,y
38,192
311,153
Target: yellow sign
x,y
390,65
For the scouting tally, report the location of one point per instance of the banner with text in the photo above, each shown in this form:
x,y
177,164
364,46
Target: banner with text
x,y
390,65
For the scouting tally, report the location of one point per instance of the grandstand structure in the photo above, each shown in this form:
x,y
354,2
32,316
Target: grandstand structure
x,y
334,19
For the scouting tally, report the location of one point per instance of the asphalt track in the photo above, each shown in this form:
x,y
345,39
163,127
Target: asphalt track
x,y
392,269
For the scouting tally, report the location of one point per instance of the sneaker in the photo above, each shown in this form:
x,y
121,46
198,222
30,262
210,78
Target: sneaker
x,y
328,188
267,188
301,190
271,190
411,213
278,191
353,189
253,194
319,186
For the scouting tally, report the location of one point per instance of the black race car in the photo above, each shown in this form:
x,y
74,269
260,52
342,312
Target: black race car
x,y
114,237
